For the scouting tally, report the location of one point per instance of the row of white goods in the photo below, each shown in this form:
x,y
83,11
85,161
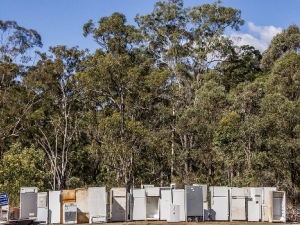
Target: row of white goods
x,y
154,203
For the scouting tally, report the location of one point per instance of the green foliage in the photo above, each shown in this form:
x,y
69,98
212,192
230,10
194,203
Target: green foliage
x,y
23,167
16,40
286,41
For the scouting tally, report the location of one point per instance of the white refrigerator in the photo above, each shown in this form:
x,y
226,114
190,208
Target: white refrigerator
x,y
164,204
118,204
179,199
42,210
219,203
97,201
237,204
138,204
54,207
266,194
254,204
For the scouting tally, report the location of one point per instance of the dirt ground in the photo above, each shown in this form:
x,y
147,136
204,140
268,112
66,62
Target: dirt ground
x,y
188,223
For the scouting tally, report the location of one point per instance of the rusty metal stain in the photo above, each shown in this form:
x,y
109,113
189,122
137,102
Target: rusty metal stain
x,y
68,196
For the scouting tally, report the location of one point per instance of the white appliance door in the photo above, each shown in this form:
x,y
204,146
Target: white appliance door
x,y
266,203
118,209
178,199
82,205
97,203
253,211
139,209
219,208
174,213
152,192
42,215
238,192
139,193
266,195
256,195
238,211
54,207
164,204
220,191
42,200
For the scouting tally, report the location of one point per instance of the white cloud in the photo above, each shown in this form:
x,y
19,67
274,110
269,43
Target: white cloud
x,y
258,36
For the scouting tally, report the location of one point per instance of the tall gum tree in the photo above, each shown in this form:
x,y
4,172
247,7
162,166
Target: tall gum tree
x,y
187,42
16,100
286,41
119,79
57,117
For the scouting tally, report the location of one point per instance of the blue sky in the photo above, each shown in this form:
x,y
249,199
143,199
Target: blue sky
x,y
60,22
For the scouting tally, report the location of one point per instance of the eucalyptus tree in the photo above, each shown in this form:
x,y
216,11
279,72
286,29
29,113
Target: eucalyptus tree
x,y
187,42
15,100
286,41
15,41
285,76
121,83
282,106
241,64
211,102
278,140
57,117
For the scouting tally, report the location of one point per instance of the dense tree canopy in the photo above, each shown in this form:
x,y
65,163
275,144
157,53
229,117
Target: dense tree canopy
x,y
169,99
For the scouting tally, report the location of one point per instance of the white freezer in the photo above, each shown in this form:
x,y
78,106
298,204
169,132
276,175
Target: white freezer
x,y
118,204
54,207
219,208
42,204
82,202
219,203
164,204
254,204
266,203
139,209
237,204
139,204
152,203
97,201
178,199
